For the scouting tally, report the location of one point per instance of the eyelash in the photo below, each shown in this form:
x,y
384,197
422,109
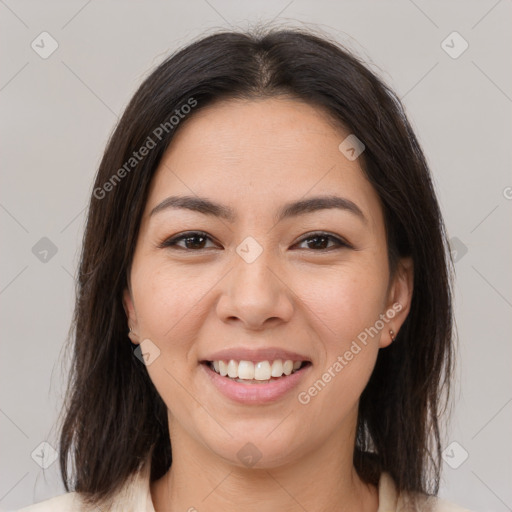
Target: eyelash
x,y
171,243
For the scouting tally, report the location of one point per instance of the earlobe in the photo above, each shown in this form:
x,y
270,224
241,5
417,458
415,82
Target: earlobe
x,y
131,316
133,337
399,300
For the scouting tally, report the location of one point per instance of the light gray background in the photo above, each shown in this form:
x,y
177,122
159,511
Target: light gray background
x,y
58,112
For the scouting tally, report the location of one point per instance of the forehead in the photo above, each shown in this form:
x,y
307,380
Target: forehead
x,y
250,154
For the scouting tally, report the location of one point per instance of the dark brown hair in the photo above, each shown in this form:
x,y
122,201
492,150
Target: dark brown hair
x,y
113,418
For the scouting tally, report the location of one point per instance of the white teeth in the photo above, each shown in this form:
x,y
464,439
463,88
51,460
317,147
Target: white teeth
x,y
233,369
245,370
287,367
261,370
223,368
277,368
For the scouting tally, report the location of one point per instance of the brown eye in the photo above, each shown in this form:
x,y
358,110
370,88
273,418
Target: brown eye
x,y
193,241
319,242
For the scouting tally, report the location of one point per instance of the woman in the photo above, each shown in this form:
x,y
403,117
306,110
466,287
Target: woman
x,y
264,227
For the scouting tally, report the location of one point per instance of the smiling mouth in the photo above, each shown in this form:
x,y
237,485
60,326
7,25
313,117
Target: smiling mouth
x,y
256,372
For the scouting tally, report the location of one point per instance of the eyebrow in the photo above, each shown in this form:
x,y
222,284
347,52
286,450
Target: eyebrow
x,y
292,209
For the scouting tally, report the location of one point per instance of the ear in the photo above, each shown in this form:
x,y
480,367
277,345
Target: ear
x,y
131,316
399,300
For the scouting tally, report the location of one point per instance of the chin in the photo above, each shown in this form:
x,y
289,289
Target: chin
x,y
258,450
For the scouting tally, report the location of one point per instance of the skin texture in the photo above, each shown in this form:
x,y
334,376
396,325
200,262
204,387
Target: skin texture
x,y
254,156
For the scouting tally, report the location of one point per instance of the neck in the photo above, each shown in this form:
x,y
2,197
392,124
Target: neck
x,y
317,482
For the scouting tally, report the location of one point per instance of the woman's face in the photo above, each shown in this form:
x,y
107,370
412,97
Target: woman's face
x,y
259,283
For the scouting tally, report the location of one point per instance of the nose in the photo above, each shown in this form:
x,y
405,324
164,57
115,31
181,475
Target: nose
x,y
255,294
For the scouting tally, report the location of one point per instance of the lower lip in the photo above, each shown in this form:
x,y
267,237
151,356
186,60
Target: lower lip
x,y
255,393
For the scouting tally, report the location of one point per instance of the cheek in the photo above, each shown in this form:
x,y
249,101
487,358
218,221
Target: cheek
x,y
169,302
335,386
345,302
168,308
344,310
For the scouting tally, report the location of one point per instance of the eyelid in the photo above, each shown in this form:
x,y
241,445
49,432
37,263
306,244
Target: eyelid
x,y
173,240
338,239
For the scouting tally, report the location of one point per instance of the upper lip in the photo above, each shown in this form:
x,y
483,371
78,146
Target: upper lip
x,y
248,354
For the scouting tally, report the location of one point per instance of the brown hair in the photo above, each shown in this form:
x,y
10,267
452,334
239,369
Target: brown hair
x,y
114,419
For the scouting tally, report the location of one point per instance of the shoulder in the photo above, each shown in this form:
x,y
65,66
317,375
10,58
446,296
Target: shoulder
x,y
391,501
422,503
65,502
440,505
134,496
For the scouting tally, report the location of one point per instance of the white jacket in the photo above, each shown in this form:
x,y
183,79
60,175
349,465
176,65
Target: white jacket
x,y
135,496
